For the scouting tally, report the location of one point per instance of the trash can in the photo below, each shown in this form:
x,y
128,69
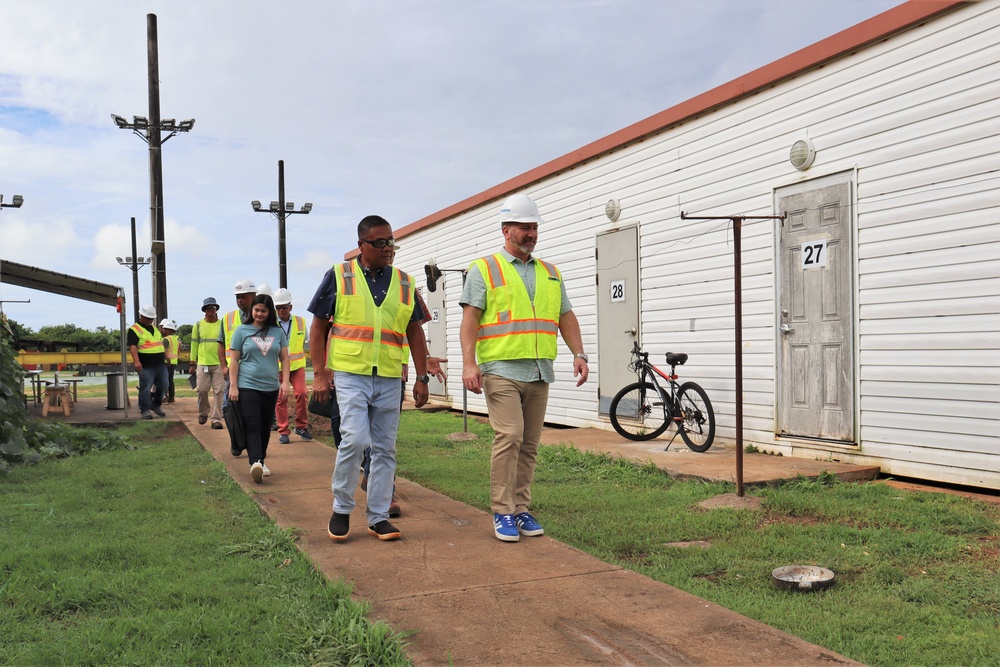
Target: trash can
x,y
116,391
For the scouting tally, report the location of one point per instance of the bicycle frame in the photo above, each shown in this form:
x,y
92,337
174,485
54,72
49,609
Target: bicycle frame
x,y
648,372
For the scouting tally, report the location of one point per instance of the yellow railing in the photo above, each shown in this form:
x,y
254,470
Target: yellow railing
x,y
46,358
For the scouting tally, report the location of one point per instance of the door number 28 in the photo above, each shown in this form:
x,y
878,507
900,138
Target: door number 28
x,y
814,254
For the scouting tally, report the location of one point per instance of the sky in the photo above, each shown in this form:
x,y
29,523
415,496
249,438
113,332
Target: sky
x,y
399,108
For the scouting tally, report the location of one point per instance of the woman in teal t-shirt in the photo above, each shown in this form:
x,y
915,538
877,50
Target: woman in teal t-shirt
x,y
257,349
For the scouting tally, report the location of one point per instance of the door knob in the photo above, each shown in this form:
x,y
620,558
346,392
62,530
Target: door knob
x,y
630,331
786,329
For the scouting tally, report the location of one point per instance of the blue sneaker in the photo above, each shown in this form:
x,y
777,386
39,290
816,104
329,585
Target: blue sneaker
x,y
504,528
526,525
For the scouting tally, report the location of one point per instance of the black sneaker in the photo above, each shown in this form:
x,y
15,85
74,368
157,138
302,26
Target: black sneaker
x,y
235,451
384,531
159,412
304,433
340,527
202,419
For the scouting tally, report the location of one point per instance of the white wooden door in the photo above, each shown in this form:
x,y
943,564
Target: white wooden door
x,y
816,313
617,310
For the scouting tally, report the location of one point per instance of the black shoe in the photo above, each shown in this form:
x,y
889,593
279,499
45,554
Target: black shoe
x,y
395,511
340,527
217,426
159,412
274,426
384,531
202,419
235,451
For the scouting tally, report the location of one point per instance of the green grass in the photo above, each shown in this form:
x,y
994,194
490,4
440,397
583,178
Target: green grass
x,y
155,556
918,574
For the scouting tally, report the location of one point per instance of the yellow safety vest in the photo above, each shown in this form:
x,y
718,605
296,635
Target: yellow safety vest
x,y
205,343
297,343
232,320
512,326
173,352
367,338
150,342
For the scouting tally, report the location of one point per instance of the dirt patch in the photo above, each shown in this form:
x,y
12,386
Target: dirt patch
x,y
773,519
700,544
171,431
731,501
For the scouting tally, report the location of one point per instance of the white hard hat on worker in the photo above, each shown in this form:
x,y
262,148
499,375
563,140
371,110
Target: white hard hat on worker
x,y
520,209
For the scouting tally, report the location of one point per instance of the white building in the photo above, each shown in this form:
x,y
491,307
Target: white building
x,y
891,349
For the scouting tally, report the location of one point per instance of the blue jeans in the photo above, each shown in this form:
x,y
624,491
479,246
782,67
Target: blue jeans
x,y
148,377
369,417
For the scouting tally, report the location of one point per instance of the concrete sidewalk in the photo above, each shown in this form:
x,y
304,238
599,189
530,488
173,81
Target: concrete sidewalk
x,y
472,600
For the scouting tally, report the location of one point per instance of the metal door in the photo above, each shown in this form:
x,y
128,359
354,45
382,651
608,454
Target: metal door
x,y
816,312
617,309
436,328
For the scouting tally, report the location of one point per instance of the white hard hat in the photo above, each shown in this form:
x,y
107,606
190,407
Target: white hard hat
x,y
520,209
168,324
148,311
244,286
264,288
282,297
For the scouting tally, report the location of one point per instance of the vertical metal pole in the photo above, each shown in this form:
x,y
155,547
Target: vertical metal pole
x,y
282,268
157,242
135,276
738,280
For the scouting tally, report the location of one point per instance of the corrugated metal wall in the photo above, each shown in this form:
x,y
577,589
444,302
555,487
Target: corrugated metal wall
x,y
915,122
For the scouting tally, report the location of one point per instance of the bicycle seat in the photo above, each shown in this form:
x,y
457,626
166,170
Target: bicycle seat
x,y
676,359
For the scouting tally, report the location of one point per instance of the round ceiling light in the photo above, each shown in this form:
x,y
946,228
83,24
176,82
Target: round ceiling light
x,y
613,209
802,154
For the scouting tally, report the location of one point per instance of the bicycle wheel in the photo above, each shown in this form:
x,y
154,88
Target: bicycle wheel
x,y
697,424
637,412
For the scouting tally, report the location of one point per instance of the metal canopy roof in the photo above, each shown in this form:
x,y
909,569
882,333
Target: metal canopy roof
x,y
32,277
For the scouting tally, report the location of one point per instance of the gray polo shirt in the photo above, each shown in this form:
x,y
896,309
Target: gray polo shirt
x,y
474,294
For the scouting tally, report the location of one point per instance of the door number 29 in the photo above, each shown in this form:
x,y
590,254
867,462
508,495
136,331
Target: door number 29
x,y
814,254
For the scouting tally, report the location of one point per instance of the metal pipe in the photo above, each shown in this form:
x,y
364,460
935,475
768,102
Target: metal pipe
x,y
282,263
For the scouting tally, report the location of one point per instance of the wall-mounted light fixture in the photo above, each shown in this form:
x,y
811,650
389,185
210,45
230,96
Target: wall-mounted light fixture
x,y
802,154
613,209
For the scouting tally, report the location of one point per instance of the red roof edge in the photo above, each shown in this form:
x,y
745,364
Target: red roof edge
x,y
877,28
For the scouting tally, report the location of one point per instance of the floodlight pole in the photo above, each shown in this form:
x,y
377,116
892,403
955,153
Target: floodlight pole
x,y
134,263
281,210
737,221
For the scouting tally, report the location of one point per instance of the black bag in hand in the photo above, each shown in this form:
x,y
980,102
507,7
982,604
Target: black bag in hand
x,y
319,408
237,430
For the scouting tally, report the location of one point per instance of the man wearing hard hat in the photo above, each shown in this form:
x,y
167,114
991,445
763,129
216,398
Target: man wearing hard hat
x,y
145,344
513,307
295,330
172,354
244,291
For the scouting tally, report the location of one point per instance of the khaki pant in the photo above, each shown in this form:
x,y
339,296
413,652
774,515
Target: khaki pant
x,y
211,378
517,414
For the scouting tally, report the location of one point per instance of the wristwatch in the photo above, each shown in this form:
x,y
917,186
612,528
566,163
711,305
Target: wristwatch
x,y
424,378
581,355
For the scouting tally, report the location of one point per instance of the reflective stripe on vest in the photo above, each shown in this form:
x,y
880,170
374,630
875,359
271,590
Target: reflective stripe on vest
x,y
205,343
233,319
297,343
149,342
513,326
365,336
172,351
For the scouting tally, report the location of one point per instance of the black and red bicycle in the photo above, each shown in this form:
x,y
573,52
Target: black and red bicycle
x,y
645,409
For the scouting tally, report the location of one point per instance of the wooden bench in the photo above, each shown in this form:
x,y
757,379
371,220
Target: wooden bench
x,y
56,395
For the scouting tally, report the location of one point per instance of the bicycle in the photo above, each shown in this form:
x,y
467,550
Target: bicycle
x,y
643,410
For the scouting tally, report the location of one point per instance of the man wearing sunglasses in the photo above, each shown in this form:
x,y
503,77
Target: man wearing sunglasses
x,y
363,312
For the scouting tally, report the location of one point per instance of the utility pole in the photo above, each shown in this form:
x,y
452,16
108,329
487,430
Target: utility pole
x,y
134,263
148,129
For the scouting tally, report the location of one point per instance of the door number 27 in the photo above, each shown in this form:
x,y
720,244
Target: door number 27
x,y
814,254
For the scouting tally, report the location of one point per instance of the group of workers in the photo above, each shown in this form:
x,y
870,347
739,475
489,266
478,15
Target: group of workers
x,y
366,326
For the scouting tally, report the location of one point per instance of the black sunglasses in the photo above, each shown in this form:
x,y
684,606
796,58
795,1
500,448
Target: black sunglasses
x,y
380,243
